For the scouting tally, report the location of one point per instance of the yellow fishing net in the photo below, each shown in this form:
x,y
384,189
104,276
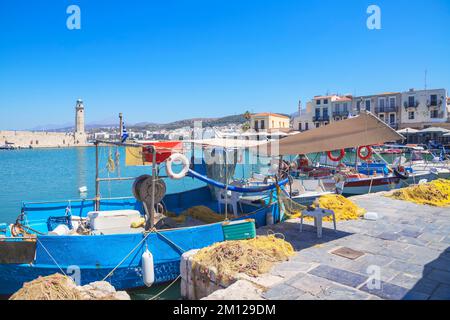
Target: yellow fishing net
x,y
252,257
53,287
344,209
435,193
202,213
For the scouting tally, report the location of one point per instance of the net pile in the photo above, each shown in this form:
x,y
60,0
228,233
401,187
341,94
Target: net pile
x,y
204,214
252,257
53,287
344,209
435,193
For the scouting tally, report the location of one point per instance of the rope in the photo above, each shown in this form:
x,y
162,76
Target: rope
x,y
49,254
165,289
168,240
126,257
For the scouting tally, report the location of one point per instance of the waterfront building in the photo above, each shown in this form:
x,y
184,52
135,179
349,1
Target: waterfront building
x,y
424,108
385,106
269,122
416,109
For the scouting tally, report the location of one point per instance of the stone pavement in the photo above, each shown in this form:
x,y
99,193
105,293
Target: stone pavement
x,y
406,255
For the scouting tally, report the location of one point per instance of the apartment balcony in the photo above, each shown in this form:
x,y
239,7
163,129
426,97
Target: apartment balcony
x,y
408,105
386,109
321,118
343,113
394,125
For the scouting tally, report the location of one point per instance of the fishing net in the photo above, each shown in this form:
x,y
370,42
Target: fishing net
x,y
53,287
203,214
291,209
344,209
435,193
252,257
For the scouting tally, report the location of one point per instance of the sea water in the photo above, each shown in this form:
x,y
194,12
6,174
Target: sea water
x,y
54,174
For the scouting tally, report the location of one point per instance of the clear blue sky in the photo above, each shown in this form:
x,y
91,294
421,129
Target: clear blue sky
x,y
171,59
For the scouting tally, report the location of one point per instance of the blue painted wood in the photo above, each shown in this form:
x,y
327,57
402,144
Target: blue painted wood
x,y
96,255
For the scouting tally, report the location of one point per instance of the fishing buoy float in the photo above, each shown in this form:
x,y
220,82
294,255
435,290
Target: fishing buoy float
x,y
176,157
148,271
338,158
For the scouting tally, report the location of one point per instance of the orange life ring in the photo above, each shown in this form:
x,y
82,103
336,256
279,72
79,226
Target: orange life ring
x,y
368,155
338,158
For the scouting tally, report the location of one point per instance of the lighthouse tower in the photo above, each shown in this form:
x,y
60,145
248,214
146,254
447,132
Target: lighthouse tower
x,y
80,134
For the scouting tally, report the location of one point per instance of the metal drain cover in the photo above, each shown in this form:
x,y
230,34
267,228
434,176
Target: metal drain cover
x,y
347,253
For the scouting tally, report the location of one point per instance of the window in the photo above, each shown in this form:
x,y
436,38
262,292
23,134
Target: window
x,y
306,125
434,114
433,100
392,118
256,124
381,104
317,113
381,117
325,101
273,124
411,115
345,107
337,107
392,102
325,112
368,105
299,126
411,102
263,124
318,101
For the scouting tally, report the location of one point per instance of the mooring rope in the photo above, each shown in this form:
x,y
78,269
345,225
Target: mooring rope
x,y
166,288
126,257
50,255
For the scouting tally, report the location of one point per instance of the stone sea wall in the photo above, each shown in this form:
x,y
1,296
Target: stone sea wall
x,y
38,139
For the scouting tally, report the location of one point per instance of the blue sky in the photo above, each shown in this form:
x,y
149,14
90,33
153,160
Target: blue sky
x,y
167,60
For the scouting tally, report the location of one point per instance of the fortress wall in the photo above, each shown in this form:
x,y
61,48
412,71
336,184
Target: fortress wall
x,y
38,139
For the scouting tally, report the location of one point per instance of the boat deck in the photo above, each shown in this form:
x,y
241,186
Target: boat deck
x,y
409,245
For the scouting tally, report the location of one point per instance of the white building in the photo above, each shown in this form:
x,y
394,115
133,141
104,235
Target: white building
x,y
424,108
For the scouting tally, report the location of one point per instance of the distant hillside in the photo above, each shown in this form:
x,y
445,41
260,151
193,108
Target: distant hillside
x,y
206,122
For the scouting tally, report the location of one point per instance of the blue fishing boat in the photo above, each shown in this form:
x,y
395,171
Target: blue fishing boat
x,y
46,237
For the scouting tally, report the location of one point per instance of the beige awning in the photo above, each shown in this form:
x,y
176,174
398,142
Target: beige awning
x,y
364,129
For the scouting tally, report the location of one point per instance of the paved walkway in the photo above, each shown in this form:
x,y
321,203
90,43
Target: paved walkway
x,y
408,246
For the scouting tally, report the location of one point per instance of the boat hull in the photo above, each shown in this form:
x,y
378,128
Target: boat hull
x,y
91,258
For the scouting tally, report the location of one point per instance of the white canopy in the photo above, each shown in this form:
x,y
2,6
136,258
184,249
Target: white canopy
x,y
434,130
407,130
362,130
228,143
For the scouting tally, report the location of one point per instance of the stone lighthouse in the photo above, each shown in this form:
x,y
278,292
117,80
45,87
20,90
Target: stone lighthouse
x,y
80,134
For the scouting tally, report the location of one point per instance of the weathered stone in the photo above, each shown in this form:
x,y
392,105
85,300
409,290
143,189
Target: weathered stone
x,y
240,290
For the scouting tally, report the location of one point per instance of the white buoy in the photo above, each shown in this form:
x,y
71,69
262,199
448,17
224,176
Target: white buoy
x,y
371,215
82,189
148,270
